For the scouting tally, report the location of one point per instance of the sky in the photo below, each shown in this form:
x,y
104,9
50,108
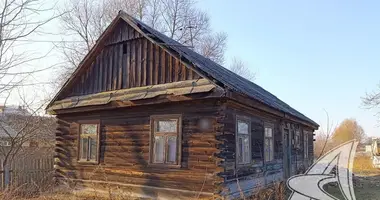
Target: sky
x,y
316,56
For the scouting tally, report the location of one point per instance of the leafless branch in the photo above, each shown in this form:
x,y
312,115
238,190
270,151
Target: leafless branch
x,y
240,68
181,20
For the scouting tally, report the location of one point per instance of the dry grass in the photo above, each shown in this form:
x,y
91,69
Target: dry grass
x,y
363,166
275,192
67,193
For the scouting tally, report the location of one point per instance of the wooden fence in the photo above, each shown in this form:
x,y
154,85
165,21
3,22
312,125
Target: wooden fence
x,y
28,170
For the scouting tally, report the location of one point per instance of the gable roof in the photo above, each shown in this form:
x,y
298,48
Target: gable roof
x,y
208,68
220,73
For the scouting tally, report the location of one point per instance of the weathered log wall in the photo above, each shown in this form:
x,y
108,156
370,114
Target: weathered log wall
x,y
124,147
258,173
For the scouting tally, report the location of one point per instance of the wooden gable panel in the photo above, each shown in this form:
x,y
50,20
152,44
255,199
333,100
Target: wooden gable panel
x,y
129,60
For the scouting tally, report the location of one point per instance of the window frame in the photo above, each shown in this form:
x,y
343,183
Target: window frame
x,y
271,155
178,134
79,149
306,144
297,138
247,120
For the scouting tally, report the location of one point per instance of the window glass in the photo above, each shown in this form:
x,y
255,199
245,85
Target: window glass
x,y
172,148
159,145
246,150
268,144
240,146
306,147
93,149
167,126
268,132
89,128
84,148
271,150
242,127
243,148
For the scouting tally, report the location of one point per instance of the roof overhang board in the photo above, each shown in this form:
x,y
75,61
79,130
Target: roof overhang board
x,y
125,97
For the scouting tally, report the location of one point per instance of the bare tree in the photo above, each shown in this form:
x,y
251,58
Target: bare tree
x,y
181,20
322,143
19,20
85,20
372,100
239,67
213,47
23,131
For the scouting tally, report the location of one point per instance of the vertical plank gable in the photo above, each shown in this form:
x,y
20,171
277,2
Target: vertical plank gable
x,y
129,60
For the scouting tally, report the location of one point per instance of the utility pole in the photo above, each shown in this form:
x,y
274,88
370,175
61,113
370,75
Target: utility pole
x,y
190,27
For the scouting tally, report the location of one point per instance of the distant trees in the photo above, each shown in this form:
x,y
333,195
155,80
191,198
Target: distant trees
x,y
348,129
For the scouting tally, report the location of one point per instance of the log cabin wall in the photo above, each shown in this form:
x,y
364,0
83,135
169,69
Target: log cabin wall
x,y
299,161
124,147
129,60
257,173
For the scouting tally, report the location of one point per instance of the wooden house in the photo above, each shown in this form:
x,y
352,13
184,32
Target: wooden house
x,y
144,112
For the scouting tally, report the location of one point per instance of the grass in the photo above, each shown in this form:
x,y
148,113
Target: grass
x,y
363,166
366,180
366,186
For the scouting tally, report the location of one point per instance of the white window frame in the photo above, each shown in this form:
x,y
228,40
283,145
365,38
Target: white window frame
x,y
241,136
268,139
306,144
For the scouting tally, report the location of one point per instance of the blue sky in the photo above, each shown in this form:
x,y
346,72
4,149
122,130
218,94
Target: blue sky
x,y
314,55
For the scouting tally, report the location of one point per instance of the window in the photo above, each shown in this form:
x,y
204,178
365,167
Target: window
x,y
268,143
5,143
243,144
298,139
306,144
166,140
89,137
